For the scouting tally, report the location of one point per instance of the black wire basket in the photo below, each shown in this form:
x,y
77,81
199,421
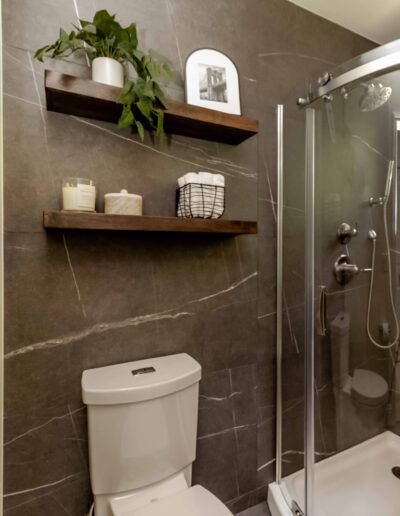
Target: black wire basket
x,y
196,200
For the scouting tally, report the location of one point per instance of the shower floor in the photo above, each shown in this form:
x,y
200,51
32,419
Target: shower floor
x,y
356,482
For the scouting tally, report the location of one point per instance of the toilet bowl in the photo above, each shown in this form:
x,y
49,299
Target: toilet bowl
x,y
142,428
369,388
361,398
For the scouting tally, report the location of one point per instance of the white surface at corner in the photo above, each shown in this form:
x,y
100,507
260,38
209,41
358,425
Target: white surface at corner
x,y
377,21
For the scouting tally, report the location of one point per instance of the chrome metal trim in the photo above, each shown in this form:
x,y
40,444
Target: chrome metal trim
x,y
296,510
322,311
324,78
309,438
279,290
345,232
364,72
344,271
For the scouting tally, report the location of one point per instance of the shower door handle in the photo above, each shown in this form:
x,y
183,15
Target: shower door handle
x,y
321,320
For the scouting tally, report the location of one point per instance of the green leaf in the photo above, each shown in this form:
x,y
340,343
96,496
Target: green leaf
x,y
154,69
90,28
148,89
126,119
139,87
145,106
40,53
63,35
160,123
159,95
140,129
132,32
127,95
103,16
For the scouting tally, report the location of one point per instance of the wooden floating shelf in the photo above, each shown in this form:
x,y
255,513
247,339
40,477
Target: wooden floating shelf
x,y
101,221
82,97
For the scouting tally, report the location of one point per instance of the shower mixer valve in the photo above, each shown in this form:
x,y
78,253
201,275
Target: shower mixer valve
x,y
345,232
344,271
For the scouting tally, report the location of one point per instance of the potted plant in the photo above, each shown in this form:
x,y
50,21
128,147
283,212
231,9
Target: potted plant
x,y
108,45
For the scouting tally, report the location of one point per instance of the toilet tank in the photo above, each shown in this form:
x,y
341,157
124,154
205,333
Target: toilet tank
x,y
142,421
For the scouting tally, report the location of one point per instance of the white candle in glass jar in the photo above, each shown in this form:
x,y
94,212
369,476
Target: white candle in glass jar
x,y
78,194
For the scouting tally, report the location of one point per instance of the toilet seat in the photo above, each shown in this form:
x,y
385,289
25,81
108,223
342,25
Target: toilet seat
x,y
369,388
194,501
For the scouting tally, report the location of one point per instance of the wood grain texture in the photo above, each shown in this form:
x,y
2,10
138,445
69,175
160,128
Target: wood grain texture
x,y
90,99
101,221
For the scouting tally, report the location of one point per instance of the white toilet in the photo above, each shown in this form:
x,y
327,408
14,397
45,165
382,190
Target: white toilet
x,y
361,399
142,424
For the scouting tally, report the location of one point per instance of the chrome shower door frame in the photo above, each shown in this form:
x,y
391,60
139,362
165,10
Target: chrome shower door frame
x,y
368,69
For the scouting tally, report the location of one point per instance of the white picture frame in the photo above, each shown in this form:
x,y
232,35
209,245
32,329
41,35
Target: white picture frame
x,y
212,81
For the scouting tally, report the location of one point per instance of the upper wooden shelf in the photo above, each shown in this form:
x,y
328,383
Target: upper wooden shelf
x,y
82,97
101,221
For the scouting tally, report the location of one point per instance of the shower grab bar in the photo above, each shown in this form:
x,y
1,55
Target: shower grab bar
x,y
322,311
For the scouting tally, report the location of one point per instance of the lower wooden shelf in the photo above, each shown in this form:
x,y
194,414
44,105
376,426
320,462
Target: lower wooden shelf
x,y
101,221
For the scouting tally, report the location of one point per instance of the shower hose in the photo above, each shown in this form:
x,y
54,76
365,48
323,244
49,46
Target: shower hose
x,y
395,340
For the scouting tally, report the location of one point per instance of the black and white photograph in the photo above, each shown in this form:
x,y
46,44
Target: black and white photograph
x,y
212,83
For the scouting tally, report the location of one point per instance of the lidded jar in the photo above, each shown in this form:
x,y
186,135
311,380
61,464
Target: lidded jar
x,y
123,203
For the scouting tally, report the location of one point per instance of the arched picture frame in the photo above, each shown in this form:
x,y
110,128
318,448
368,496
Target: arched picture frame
x,y
212,81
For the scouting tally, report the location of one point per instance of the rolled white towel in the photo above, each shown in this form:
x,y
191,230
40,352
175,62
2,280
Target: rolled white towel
x,y
218,180
206,178
191,177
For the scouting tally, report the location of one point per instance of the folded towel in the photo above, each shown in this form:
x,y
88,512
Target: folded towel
x,y
202,178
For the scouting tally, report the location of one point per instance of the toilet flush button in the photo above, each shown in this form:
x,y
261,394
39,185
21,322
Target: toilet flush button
x,y
143,370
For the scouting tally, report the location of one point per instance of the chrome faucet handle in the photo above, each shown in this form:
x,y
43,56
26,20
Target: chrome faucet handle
x,y
345,232
344,271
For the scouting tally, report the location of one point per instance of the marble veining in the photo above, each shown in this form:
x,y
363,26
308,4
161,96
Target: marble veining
x,y
131,321
36,428
369,146
157,151
300,56
97,328
45,486
78,292
175,32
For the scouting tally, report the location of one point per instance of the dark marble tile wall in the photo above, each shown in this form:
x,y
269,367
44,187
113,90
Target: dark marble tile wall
x,y
75,301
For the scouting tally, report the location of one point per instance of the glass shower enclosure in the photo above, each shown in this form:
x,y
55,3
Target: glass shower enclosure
x,y
338,265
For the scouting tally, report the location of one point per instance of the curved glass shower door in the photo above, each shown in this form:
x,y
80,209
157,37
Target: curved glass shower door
x,y
338,297
352,197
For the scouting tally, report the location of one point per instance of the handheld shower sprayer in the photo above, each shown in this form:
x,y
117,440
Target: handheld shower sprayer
x,y
389,180
382,201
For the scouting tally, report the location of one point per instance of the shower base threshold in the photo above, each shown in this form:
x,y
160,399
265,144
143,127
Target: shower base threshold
x,y
356,482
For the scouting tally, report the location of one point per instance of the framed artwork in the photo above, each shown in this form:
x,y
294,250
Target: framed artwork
x,y
212,81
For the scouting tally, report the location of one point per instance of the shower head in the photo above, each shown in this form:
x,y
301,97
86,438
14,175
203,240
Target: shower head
x,y
375,96
372,235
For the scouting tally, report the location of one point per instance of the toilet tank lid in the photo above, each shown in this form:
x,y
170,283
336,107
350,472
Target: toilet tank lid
x,y
139,381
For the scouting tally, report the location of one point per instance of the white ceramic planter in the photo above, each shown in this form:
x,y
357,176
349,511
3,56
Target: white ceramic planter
x,y
108,71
